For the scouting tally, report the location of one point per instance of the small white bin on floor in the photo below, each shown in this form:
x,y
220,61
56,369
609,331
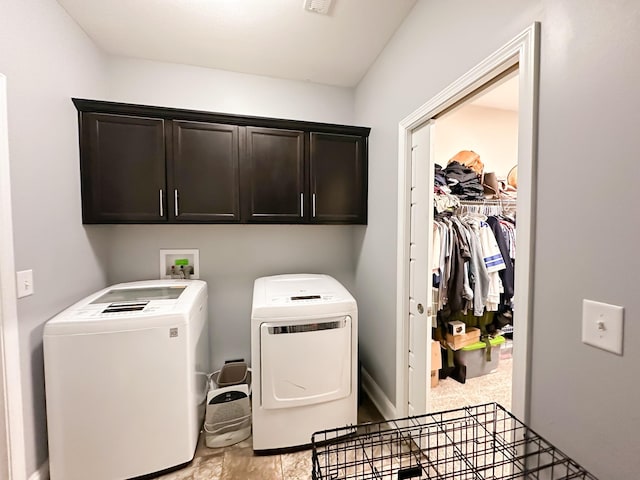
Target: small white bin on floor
x,y
228,414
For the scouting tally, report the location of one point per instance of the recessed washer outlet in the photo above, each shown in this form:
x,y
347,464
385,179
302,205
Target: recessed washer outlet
x,y
180,263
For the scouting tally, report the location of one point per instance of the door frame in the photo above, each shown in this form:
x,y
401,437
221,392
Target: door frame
x,y
523,52
10,381
420,295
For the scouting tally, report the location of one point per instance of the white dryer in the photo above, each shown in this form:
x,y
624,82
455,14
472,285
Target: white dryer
x,y
126,380
304,358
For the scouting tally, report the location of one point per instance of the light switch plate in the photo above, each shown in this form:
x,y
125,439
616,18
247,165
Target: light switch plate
x,y
602,325
24,283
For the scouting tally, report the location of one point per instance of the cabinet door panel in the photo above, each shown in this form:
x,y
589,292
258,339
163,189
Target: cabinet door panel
x,y
204,183
123,169
338,173
273,176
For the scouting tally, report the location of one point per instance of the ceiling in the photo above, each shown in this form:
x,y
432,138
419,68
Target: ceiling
x,y
276,38
502,95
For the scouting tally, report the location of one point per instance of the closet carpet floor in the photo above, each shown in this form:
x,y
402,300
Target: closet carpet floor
x,y
493,387
238,462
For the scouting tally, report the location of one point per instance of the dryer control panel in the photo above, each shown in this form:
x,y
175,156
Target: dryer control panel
x,y
301,299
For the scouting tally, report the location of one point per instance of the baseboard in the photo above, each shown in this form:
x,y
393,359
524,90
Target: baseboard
x,y
377,396
42,473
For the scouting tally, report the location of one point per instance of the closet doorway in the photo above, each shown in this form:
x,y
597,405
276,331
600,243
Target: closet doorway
x,y
418,150
482,129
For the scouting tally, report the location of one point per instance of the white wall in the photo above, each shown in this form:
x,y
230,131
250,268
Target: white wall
x,y
583,400
434,46
47,59
48,65
231,256
182,86
490,132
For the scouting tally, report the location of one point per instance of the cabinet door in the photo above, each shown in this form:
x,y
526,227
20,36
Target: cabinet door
x,y
338,171
273,176
123,169
204,183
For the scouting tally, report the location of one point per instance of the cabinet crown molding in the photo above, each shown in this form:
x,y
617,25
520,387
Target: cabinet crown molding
x,y
168,113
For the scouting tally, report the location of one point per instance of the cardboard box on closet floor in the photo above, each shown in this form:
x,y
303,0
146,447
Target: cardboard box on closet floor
x,y
436,362
471,336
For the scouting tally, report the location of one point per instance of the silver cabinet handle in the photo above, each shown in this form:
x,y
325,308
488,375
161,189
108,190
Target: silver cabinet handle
x,y
161,208
313,211
175,201
302,204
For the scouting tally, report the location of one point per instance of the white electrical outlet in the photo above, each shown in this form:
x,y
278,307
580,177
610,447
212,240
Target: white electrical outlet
x,y
602,325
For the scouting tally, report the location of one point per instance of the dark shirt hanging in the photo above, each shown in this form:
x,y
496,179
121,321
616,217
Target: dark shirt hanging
x,y
506,275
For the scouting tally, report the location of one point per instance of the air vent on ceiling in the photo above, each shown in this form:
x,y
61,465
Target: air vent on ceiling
x,y
318,6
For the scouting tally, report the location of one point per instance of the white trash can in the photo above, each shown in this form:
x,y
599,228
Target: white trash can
x,y
228,414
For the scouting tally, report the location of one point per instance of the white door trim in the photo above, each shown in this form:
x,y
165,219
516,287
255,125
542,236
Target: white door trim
x,y
420,293
11,387
523,51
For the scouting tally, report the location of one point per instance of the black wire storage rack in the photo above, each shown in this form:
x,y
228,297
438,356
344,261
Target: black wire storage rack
x,y
472,443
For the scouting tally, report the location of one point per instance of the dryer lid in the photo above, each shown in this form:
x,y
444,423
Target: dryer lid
x,y
299,294
303,288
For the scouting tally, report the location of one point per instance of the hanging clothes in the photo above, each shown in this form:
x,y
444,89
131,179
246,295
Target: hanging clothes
x,y
473,255
495,263
508,226
506,275
473,269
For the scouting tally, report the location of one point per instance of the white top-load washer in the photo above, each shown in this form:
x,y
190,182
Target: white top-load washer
x,y
126,380
304,358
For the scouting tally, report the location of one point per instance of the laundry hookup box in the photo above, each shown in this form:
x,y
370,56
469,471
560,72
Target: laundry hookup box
x,y
475,357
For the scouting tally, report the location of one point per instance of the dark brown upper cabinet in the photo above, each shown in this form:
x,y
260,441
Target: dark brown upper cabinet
x,y
338,175
123,169
143,164
204,173
273,176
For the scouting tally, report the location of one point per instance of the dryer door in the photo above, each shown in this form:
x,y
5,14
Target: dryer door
x,y
305,362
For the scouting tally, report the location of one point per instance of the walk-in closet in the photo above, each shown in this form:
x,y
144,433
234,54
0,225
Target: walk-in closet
x,y
474,248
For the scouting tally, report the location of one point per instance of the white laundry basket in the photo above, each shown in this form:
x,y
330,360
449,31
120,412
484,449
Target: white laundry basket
x,y
228,414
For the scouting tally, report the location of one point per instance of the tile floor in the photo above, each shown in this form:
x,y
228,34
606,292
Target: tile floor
x,y
238,462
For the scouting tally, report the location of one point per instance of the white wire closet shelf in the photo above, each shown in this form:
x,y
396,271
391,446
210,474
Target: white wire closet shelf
x,y
488,206
472,443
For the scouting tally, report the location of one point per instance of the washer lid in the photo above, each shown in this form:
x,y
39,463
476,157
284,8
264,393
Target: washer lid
x,y
133,305
141,294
